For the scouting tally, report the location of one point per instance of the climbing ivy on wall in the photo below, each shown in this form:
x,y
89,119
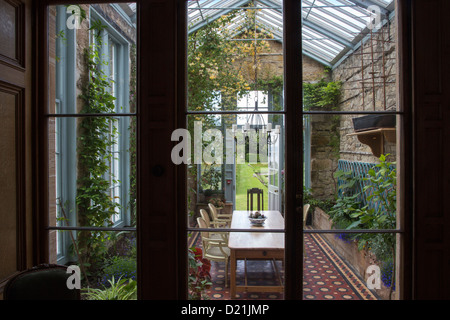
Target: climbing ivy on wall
x,y
321,94
325,94
96,136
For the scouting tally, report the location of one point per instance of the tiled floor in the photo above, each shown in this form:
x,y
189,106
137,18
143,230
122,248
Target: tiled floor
x,y
326,276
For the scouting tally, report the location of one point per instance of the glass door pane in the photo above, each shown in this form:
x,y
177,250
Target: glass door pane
x,y
236,113
351,117
92,152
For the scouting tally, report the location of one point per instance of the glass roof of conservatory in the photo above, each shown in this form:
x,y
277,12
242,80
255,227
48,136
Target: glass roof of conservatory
x,y
331,28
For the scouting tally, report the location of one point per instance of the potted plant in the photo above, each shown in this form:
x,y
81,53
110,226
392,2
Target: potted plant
x,y
219,203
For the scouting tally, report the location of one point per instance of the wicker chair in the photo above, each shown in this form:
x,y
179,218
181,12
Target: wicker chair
x,y
219,219
214,249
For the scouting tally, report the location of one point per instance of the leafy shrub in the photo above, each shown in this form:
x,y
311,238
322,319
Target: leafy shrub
x,y
199,276
123,289
119,267
308,198
322,93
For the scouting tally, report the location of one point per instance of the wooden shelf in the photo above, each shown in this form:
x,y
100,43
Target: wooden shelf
x,y
375,138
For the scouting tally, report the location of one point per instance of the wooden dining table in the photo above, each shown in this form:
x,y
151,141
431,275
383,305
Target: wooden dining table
x,y
255,246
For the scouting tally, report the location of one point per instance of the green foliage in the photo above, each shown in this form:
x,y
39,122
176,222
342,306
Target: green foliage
x,y
95,140
211,177
199,277
382,190
122,289
342,212
210,58
308,198
380,211
325,94
120,267
347,202
321,94
350,214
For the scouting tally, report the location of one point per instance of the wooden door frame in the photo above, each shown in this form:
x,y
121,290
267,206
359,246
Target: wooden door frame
x,y
293,79
405,147
162,238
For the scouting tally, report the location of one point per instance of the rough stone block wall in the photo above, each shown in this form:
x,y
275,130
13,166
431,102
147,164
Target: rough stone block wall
x,y
324,151
370,64
323,157
270,63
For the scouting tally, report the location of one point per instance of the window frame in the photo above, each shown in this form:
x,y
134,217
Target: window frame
x,y
177,11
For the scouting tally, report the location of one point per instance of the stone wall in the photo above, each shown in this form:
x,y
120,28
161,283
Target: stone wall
x,y
361,74
270,63
324,157
324,142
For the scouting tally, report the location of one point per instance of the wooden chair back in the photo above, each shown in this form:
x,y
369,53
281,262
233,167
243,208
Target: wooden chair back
x,y
259,196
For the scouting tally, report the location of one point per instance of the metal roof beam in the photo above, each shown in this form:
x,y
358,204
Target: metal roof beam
x,y
316,58
271,4
216,16
327,33
341,25
323,54
310,36
367,3
317,28
341,10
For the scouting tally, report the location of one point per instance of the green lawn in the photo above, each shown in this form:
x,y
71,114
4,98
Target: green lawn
x,y
245,180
